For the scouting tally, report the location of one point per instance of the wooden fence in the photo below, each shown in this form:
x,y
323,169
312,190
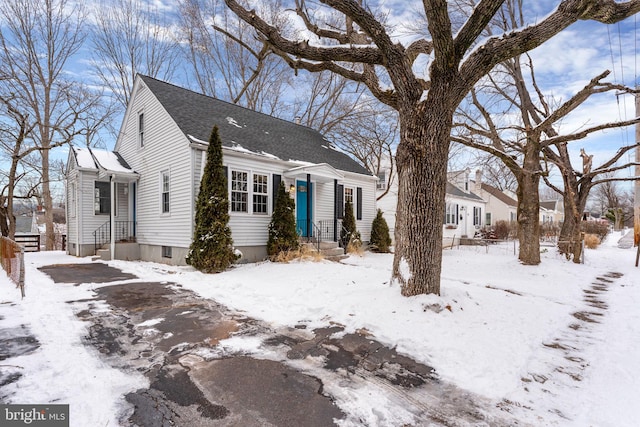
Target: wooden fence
x,y
12,257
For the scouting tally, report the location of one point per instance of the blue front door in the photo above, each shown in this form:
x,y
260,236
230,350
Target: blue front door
x,y
304,208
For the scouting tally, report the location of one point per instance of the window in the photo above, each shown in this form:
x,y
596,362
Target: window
x,y
141,129
165,182
382,181
487,218
239,191
348,196
477,216
102,198
260,194
512,216
72,199
451,214
166,252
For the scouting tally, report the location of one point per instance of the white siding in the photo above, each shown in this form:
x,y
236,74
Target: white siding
x,y
248,229
165,148
72,208
368,185
465,226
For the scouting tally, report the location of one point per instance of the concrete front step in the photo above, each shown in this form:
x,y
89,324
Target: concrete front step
x,y
104,254
329,250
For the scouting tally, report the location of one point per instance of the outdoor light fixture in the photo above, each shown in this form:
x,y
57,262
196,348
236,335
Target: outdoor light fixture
x,y
292,189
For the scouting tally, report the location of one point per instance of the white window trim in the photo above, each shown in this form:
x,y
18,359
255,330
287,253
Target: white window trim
x,y
162,174
250,174
110,195
353,198
451,215
266,175
477,216
140,133
72,200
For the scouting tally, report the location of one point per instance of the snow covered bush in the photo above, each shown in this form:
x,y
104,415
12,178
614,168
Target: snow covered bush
x,y
283,236
212,249
380,239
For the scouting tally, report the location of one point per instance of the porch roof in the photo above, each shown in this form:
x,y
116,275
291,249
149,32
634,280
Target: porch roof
x,y
321,172
106,163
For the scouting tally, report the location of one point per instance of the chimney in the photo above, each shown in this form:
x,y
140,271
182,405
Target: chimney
x,y
478,187
297,120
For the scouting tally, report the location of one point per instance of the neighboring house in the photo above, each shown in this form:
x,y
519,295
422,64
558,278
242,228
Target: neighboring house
x,y
158,161
551,211
500,206
464,210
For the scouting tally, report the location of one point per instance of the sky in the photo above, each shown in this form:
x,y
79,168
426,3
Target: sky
x,y
563,65
512,341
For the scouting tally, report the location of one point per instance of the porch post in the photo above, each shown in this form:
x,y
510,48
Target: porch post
x,y
112,226
335,210
309,216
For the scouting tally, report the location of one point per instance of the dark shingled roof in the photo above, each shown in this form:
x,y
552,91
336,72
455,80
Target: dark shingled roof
x,y
549,205
455,191
196,114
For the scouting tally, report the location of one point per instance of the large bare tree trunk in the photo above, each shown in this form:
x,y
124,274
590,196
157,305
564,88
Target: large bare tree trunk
x,y
529,206
422,170
50,234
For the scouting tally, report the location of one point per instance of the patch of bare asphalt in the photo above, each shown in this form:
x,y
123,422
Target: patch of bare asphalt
x,y
96,272
570,344
13,342
171,335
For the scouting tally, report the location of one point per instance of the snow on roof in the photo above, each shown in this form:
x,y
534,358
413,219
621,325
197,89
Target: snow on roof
x,y
84,158
110,161
91,158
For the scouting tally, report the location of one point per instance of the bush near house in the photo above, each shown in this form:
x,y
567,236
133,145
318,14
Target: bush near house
x,y
591,241
380,239
283,236
349,235
600,229
212,250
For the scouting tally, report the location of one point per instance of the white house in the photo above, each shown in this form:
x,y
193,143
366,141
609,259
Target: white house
x,y
500,206
552,211
464,211
157,163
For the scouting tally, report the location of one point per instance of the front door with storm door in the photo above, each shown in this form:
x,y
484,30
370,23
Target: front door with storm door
x,y
304,208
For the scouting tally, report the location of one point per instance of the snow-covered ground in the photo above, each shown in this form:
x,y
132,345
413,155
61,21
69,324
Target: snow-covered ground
x,y
486,333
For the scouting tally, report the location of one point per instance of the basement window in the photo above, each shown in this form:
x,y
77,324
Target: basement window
x,y
166,252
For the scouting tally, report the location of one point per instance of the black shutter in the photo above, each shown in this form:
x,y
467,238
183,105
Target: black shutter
x,y
275,187
340,201
359,203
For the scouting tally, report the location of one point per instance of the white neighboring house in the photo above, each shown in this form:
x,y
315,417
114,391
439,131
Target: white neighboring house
x,y
500,205
157,163
552,211
464,211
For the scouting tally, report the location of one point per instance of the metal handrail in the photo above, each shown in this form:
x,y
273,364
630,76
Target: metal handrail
x,y
125,231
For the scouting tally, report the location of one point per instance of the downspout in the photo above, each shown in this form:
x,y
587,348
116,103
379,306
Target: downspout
x,y
78,204
112,226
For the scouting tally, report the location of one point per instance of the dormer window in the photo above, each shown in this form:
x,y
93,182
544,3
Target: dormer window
x,y
141,130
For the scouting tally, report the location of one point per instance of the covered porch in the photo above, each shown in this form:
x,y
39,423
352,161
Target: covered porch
x,y
319,201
